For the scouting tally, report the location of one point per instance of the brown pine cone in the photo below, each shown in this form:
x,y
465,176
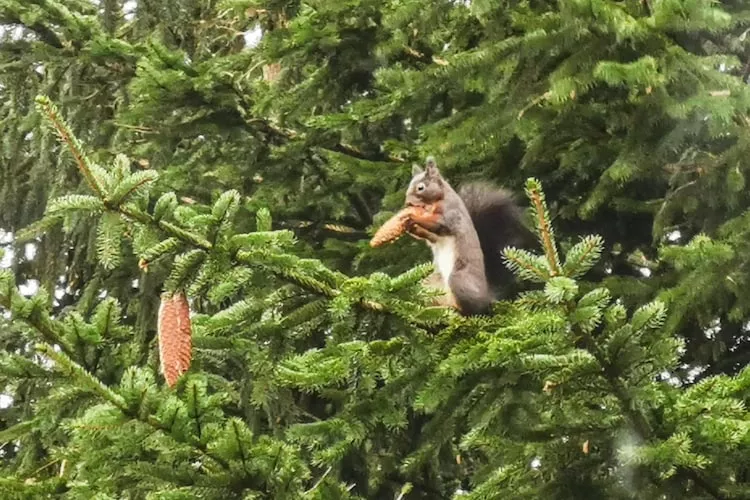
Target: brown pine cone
x,y
393,227
175,336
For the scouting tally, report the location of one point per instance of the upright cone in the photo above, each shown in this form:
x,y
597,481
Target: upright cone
x,y
175,336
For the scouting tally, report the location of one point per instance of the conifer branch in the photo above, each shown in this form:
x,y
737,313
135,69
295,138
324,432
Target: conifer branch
x,y
516,262
249,258
136,181
581,257
44,325
15,431
636,416
246,257
629,407
170,229
98,387
307,282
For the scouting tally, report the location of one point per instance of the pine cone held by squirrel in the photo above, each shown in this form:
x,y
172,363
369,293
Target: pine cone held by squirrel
x,y
395,226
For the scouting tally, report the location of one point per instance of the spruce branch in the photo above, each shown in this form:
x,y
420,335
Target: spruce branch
x,y
75,202
649,317
281,265
132,185
169,245
275,263
628,404
15,431
67,365
583,256
525,264
171,229
247,257
108,240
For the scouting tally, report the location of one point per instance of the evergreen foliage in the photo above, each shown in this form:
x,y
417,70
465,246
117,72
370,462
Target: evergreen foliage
x,y
150,147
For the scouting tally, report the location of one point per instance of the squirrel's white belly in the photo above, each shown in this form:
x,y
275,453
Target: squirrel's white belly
x,y
444,256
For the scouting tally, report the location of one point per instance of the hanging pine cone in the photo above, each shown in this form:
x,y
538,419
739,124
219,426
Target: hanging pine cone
x,y
175,336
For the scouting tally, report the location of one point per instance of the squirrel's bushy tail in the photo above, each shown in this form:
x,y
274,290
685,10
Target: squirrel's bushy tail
x,y
498,222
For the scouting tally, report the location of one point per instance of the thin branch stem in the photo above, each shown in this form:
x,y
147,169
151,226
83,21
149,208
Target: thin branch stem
x,y
67,137
546,232
320,481
340,147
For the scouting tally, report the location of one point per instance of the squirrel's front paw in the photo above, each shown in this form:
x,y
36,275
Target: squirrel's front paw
x,y
411,230
420,232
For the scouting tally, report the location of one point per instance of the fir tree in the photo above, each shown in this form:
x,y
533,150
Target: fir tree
x,y
318,369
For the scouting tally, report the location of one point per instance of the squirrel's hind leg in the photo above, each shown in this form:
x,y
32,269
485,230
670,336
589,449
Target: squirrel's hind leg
x,y
472,298
445,299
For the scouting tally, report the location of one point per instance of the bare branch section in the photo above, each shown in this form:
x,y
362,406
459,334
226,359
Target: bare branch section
x,y
345,149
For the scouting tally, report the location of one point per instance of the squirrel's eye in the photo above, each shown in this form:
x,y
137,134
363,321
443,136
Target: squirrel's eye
x,y
420,187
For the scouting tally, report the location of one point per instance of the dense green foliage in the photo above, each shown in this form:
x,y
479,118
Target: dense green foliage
x,y
154,145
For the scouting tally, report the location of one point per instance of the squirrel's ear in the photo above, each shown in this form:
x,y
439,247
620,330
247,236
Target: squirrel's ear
x,y
431,166
416,169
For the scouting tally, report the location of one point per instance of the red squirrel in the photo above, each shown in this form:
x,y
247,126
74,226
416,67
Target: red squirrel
x,y
466,232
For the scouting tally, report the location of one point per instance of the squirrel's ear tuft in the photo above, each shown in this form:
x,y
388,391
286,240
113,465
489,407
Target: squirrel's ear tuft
x,y
416,169
431,166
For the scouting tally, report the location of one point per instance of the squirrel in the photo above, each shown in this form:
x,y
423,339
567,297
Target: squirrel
x,y
466,231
